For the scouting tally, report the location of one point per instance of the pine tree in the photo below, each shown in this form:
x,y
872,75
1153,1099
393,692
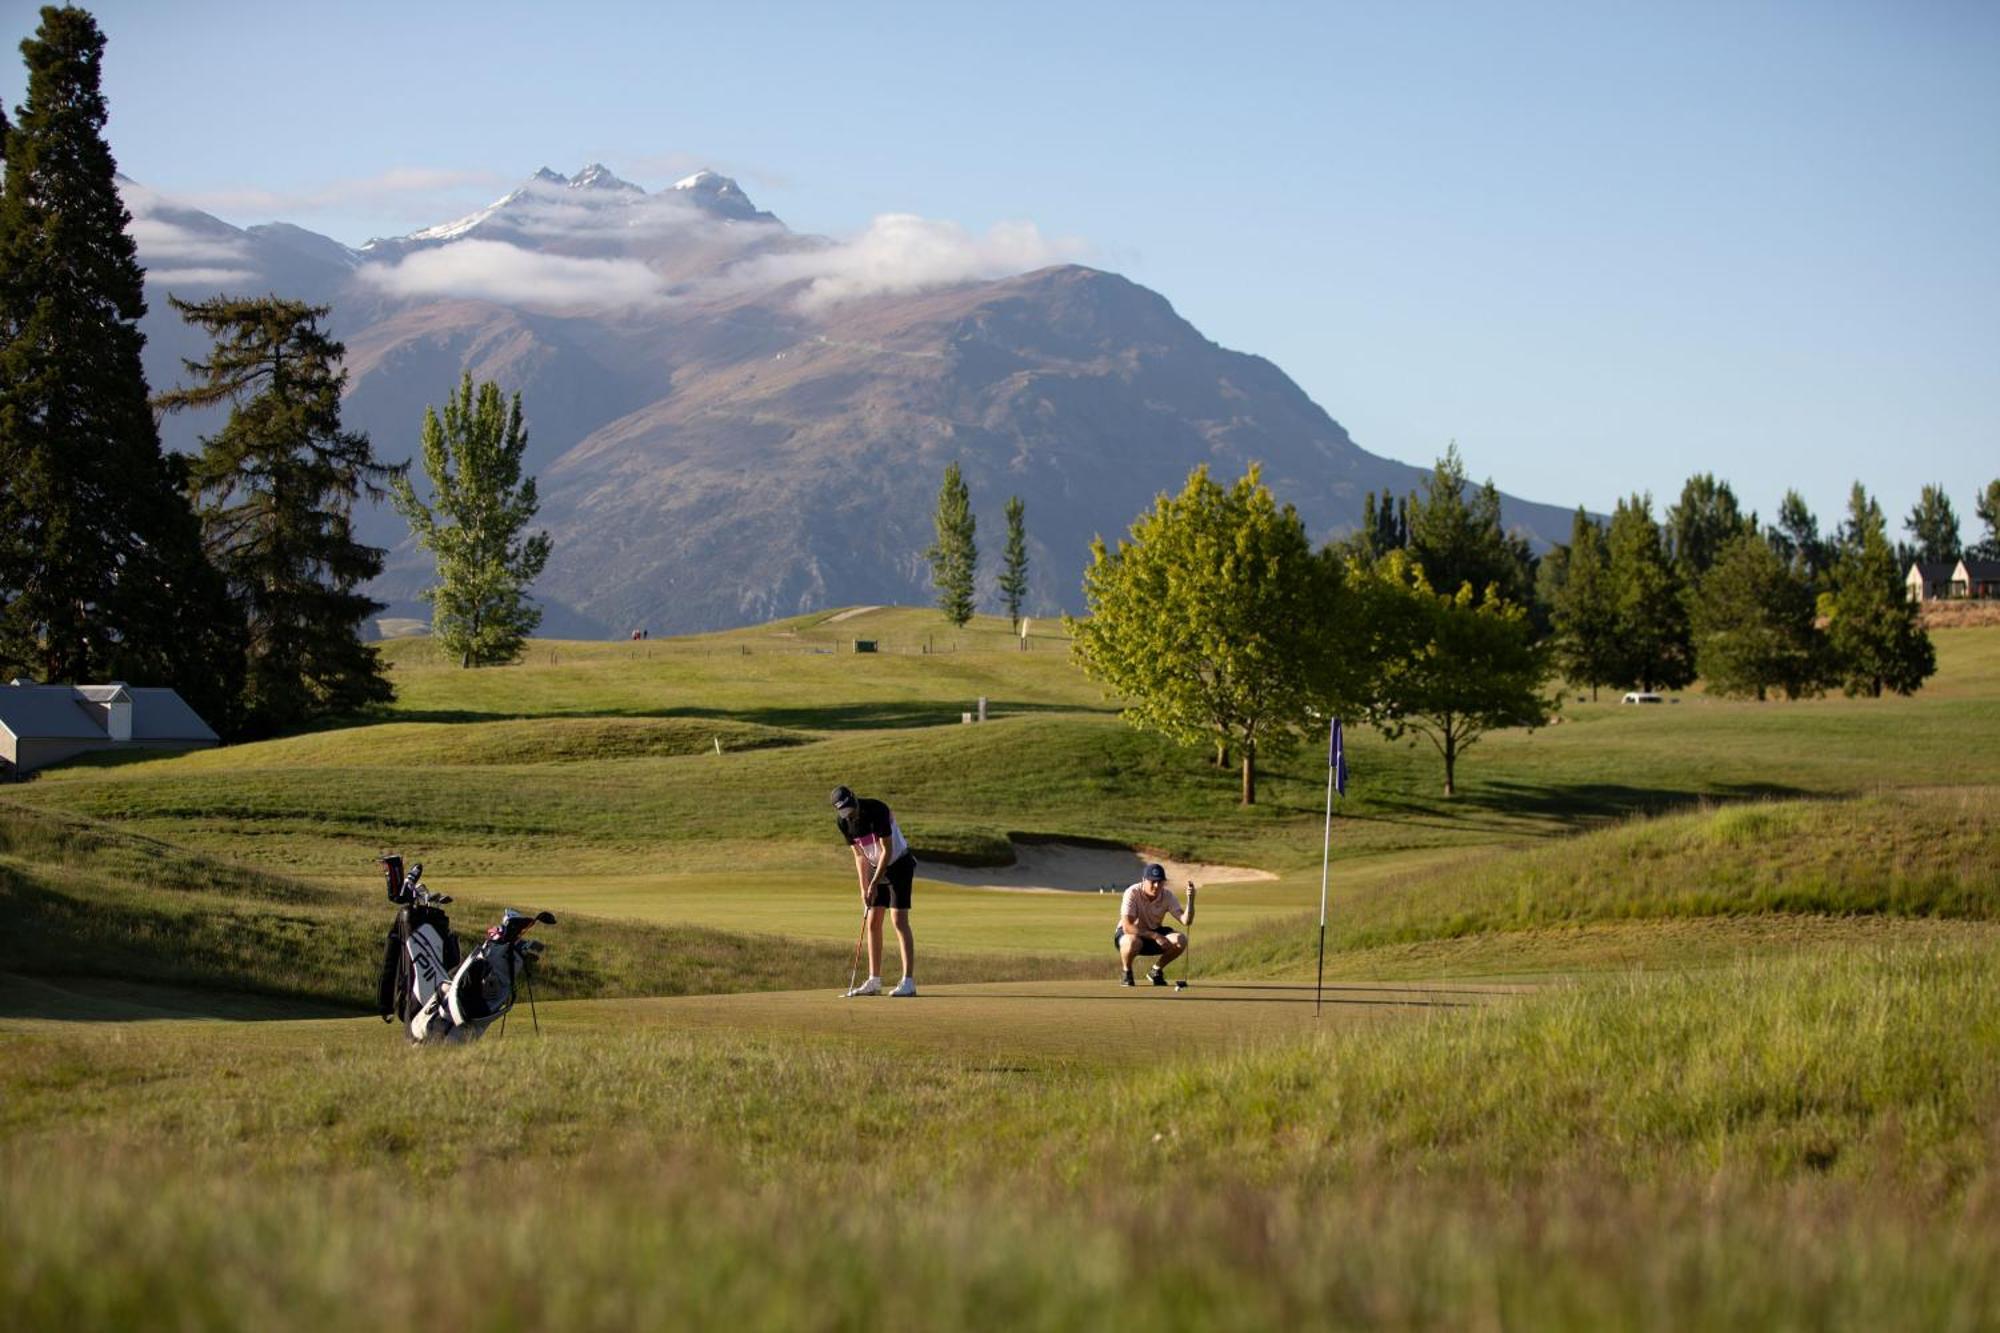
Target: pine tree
x,y
1584,611
1704,521
1988,509
1014,575
101,572
954,557
1460,541
1647,595
1796,539
276,488
472,456
1874,630
1752,621
1934,525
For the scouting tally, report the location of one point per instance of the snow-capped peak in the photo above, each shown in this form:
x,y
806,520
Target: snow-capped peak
x,y
597,176
716,193
702,178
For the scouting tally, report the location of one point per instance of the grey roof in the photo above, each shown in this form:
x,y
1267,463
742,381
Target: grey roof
x,y
104,694
1934,571
47,712
161,715
1981,571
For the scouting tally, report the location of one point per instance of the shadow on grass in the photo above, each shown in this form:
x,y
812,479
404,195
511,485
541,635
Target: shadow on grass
x,y
875,716
1594,801
85,999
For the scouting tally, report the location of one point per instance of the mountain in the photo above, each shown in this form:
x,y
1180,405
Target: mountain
x,y
732,421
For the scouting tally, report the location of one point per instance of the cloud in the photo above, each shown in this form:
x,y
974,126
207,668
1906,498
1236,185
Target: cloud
x,y
901,253
412,191
509,275
179,246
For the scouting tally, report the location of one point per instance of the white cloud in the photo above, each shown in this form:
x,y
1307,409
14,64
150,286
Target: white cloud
x,y
179,247
199,277
901,252
412,191
507,274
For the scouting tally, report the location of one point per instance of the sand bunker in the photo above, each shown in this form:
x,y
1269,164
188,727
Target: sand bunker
x,y
1070,867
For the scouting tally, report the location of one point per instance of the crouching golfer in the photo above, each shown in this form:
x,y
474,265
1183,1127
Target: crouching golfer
x,y
1141,914
885,868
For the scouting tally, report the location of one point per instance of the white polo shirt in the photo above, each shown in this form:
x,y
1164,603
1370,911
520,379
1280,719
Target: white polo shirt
x,y
1148,912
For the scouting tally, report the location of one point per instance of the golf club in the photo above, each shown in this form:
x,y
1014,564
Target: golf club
x,y
854,968
1187,929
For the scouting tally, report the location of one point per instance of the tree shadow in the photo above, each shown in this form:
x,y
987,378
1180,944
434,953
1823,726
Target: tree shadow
x,y
1594,802
89,999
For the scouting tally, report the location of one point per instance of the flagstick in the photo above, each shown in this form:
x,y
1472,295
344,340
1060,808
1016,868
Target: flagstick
x,y
1326,852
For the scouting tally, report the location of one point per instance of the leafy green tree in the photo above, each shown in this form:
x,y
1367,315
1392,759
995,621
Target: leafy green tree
x,y
1654,650
1014,572
1459,540
1448,666
1934,526
1988,509
474,525
1752,620
101,570
1704,521
953,556
276,489
1584,610
1796,539
1213,620
1874,630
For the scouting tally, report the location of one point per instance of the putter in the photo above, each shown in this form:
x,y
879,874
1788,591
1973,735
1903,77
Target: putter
x,y
854,968
1187,959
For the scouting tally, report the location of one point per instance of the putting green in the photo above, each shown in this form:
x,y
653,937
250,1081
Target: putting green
x,y
1087,1021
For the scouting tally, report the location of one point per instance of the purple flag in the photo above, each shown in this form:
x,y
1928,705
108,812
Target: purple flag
x,y
1336,758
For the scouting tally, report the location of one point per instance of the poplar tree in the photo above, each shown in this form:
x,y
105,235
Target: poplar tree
x,y
101,572
1874,630
480,505
953,556
276,489
1014,573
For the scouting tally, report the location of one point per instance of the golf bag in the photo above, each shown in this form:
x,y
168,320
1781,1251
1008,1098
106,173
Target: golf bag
x,y
484,987
421,953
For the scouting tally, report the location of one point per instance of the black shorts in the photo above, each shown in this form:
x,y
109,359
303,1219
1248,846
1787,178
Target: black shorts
x,y
893,889
1147,948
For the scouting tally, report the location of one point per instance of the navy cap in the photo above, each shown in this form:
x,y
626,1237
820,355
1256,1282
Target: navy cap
x,y
1156,871
841,798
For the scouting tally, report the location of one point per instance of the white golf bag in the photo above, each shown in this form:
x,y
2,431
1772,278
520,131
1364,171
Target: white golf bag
x,y
483,987
421,952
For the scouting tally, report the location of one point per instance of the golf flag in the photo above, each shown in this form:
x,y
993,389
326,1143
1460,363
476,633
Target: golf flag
x,y
1336,758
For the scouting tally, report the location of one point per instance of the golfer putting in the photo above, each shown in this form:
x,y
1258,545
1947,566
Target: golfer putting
x,y
1141,933
885,869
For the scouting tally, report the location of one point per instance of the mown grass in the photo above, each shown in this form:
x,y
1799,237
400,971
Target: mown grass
x,y
1796,1144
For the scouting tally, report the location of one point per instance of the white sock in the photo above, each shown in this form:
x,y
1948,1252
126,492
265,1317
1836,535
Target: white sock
x,y
874,978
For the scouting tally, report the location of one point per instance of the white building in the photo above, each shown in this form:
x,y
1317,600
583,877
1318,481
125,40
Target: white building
x,y
46,724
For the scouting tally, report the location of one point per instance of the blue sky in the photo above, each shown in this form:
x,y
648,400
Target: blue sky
x,y
1601,245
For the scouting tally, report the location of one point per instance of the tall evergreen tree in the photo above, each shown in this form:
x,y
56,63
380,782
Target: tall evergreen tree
x,y
1014,573
1874,630
1934,526
1584,611
276,488
1459,540
1704,521
472,456
1988,509
1752,621
101,572
1385,527
1647,593
954,557
1796,539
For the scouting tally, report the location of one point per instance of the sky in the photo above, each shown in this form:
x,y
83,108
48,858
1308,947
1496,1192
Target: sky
x,y
1602,246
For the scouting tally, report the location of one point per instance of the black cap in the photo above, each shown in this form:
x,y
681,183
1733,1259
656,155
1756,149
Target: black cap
x,y
1156,871
842,798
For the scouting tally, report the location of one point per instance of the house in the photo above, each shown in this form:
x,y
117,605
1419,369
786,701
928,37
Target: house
x,y
1971,577
46,724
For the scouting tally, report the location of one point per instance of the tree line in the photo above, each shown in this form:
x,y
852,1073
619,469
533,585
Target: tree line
x,y
1221,625
234,575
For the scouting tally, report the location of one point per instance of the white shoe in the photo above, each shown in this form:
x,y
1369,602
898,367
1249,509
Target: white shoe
x,y
907,986
872,986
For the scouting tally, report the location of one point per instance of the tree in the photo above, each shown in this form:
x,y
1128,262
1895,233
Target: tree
x,y
1651,616
1934,525
1451,666
954,557
1697,528
1752,621
1874,632
1795,537
1213,620
101,571
1460,541
472,456
1584,610
1385,527
276,489
1988,509
1014,573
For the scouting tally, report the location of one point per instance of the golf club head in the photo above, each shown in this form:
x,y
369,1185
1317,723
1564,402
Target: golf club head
x,y
546,918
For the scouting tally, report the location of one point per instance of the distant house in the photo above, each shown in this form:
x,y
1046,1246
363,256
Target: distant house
x,y
46,724
1937,581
